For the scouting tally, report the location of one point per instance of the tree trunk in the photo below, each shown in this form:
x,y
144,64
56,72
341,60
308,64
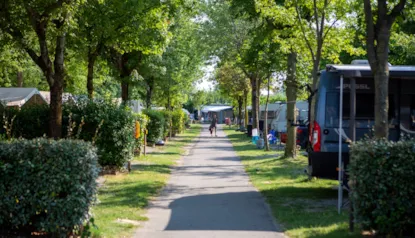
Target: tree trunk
x,y
255,102
381,102
150,90
19,79
381,75
291,92
124,92
246,108
92,56
55,116
240,105
266,119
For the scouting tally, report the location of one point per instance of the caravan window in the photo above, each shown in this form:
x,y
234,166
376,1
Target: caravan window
x,y
365,111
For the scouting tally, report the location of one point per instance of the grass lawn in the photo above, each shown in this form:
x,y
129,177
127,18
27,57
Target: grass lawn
x,y
304,209
125,196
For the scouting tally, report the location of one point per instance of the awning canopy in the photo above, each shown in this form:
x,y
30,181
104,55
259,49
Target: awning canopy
x,y
359,71
206,109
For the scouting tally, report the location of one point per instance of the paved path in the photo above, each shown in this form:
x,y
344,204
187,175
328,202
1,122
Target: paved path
x,y
209,195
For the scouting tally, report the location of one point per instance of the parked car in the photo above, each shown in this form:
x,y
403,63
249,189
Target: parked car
x,y
302,135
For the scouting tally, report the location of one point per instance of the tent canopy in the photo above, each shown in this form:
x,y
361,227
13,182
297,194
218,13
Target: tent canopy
x,y
17,96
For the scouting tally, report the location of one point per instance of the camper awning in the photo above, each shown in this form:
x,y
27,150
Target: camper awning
x,y
215,108
359,71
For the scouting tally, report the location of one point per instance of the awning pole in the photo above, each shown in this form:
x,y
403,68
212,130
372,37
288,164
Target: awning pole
x,y
340,166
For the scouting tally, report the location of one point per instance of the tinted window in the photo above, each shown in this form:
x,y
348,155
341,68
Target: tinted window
x,y
365,108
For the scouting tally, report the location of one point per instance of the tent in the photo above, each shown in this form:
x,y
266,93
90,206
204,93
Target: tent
x,y
18,97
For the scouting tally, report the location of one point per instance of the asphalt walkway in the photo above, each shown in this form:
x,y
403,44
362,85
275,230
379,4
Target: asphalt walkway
x,y
209,195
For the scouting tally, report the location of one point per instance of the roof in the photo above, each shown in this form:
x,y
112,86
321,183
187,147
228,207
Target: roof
x,y
17,96
365,71
65,96
215,108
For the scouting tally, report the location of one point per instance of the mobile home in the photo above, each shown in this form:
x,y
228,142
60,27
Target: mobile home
x,y
358,112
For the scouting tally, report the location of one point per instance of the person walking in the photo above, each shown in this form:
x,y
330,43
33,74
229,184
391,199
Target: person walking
x,y
213,125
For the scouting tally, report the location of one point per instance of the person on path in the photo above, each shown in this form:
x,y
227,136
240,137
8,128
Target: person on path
x,y
213,125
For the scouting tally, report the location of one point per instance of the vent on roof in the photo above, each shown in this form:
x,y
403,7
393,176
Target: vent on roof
x,y
363,62
360,62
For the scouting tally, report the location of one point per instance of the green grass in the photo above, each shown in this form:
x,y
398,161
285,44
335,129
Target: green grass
x,y
125,196
303,208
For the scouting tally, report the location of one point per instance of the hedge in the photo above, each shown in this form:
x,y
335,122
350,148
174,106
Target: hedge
x,y
46,185
383,175
179,118
155,126
30,122
143,120
167,120
114,138
112,128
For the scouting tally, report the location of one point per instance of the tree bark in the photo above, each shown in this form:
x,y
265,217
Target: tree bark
x,y
92,56
291,93
19,79
266,118
149,93
377,43
240,105
124,92
246,108
255,102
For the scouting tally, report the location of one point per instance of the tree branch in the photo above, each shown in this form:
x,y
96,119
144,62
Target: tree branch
x,y
370,29
329,28
303,30
52,7
316,17
396,11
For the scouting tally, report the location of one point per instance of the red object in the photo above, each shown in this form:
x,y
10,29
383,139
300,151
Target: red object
x,y
316,137
227,121
284,136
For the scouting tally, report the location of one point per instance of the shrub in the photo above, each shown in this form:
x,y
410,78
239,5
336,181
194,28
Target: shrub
x,y
30,121
115,126
155,126
178,117
383,173
46,185
143,119
115,139
167,120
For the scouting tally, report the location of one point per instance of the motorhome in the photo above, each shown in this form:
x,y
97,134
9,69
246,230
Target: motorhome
x,y
279,123
358,86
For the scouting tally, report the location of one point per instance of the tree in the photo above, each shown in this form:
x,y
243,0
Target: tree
x,y
234,83
378,27
47,23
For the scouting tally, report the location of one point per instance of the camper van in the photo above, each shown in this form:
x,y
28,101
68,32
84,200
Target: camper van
x,y
324,139
279,124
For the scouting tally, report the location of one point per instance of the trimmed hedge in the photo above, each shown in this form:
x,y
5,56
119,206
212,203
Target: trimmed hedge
x,y
155,126
46,185
383,175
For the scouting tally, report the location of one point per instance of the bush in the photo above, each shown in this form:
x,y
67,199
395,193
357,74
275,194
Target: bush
x,y
46,185
155,126
30,122
383,173
143,119
115,139
115,126
167,120
178,117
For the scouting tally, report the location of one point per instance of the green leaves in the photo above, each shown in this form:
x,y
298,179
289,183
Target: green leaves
x,y
383,195
47,185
